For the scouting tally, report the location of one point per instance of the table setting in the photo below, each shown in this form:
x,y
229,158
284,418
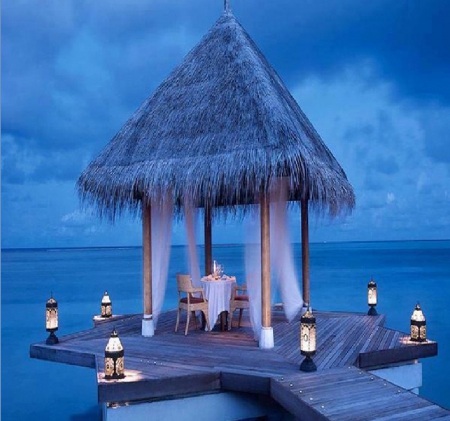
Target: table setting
x,y
218,288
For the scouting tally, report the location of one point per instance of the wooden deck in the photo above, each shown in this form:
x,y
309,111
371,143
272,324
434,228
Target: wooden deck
x,y
171,364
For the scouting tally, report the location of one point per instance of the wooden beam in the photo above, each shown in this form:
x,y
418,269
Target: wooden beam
x,y
305,252
147,257
383,357
208,240
265,260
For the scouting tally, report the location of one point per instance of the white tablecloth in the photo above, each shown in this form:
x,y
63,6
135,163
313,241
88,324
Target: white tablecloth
x,y
218,294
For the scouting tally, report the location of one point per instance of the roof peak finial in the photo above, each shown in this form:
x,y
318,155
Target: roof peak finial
x,y
226,5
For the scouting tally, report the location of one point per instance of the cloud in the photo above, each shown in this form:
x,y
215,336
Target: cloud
x,y
383,144
406,39
436,126
25,162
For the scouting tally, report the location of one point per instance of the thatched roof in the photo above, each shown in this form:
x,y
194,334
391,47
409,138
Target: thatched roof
x,y
218,128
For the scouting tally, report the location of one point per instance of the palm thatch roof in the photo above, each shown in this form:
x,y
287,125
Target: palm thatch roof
x,y
222,125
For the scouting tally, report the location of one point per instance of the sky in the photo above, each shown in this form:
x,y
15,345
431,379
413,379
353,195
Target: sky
x,y
372,77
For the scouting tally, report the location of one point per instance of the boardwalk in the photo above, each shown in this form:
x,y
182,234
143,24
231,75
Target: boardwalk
x,y
171,364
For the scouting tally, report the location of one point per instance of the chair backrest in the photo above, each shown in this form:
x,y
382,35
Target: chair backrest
x,y
184,283
237,288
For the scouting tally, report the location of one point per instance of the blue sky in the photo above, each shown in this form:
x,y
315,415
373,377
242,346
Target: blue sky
x,y
373,78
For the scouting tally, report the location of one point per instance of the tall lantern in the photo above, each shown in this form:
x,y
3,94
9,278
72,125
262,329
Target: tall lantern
x,y
418,325
308,340
106,306
51,320
372,297
114,358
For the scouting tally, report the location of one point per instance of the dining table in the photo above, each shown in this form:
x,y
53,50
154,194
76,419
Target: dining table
x,y
218,293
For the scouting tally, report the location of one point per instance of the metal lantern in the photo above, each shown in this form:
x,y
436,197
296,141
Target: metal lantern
x,y
51,320
114,358
418,325
372,297
106,306
308,340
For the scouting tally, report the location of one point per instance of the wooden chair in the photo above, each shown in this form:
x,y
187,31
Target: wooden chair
x,y
238,301
190,303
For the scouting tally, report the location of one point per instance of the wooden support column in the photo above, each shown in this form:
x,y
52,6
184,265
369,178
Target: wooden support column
x,y
266,340
208,240
305,252
147,322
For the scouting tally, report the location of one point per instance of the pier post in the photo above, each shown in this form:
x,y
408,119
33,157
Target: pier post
x,y
266,340
148,327
305,253
208,240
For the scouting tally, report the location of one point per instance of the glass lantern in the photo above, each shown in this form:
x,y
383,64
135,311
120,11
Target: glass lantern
x,y
308,340
51,320
114,358
106,306
372,297
418,325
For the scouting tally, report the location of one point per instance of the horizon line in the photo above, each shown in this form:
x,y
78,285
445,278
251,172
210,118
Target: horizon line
x,y
215,244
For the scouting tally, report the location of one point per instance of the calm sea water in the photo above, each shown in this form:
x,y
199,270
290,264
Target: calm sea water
x,y
405,272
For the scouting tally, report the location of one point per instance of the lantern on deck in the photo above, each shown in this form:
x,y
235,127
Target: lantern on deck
x,y
418,325
106,306
372,297
51,320
308,340
114,358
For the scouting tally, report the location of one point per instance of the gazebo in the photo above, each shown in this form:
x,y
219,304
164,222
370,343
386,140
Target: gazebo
x,y
218,132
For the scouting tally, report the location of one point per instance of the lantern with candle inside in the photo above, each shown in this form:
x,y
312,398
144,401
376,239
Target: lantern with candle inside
x,y
418,325
308,340
106,306
114,358
372,297
51,320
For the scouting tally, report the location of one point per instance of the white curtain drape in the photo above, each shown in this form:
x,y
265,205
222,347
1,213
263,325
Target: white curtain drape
x,y
162,211
284,274
190,215
282,258
253,272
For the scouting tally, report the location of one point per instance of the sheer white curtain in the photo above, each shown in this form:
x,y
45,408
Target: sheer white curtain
x,y
253,271
284,274
162,212
282,259
190,215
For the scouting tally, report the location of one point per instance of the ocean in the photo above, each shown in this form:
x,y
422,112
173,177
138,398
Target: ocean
x,y
405,272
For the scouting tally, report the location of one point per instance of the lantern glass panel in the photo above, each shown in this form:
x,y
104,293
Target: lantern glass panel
x,y
308,334
109,367
423,333
418,325
120,366
414,332
51,315
372,293
106,307
308,341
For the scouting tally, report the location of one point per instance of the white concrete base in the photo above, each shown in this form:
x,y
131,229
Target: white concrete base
x,y
148,327
408,376
266,339
217,406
